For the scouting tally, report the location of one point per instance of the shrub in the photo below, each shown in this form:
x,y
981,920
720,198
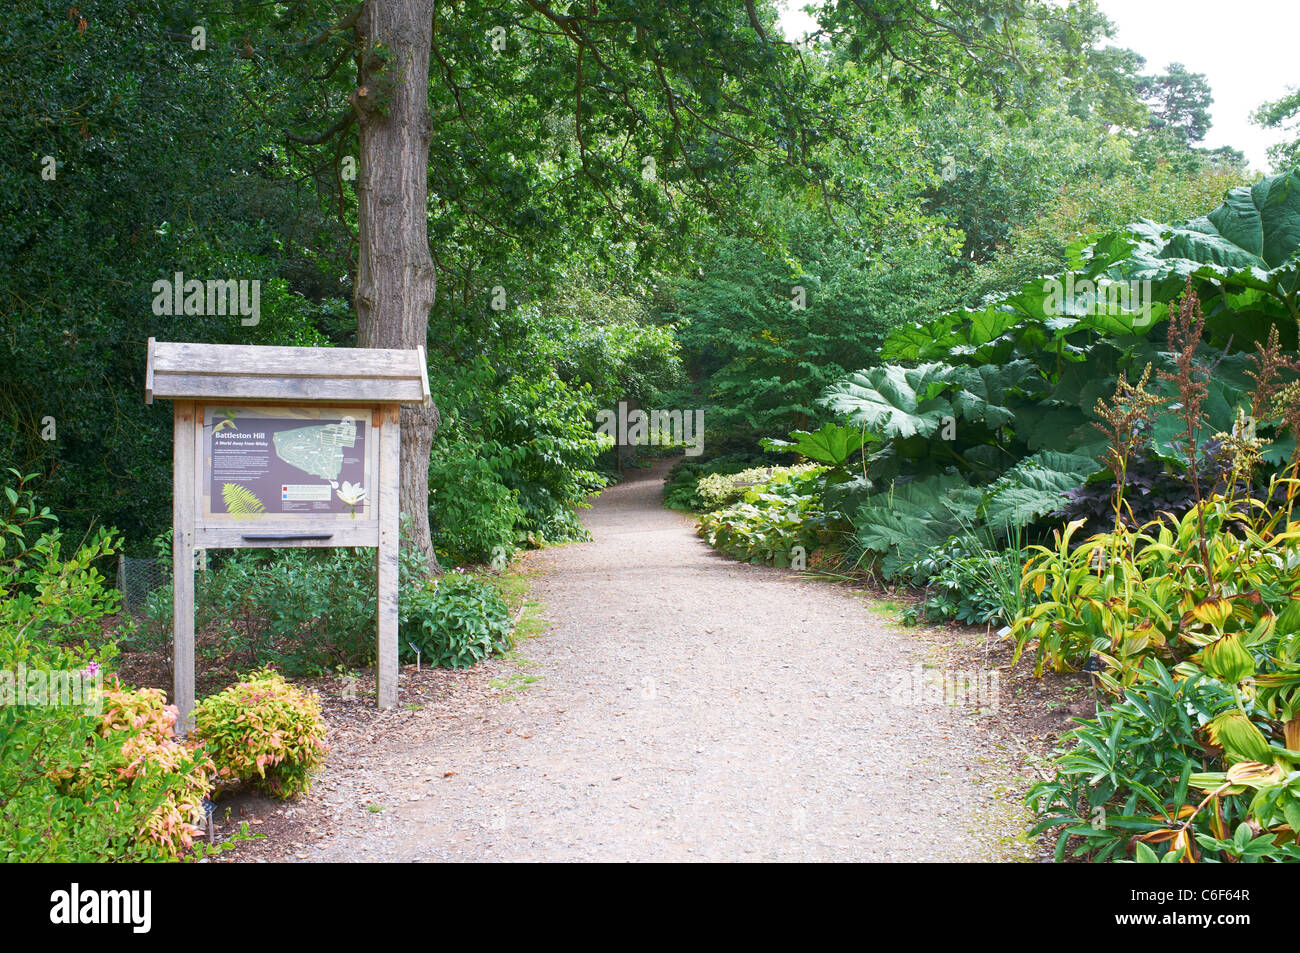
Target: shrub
x,y
717,490
1135,778
103,779
1196,622
682,483
304,611
475,515
968,581
1126,596
114,787
1153,485
533,439
770,520
455,621
263,729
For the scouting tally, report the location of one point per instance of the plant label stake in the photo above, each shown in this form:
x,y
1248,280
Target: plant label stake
x,y
283,446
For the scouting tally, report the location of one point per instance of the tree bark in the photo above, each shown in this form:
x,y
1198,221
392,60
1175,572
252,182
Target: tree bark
x,y
395,274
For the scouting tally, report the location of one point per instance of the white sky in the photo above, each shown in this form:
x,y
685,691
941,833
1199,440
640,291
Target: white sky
x,y
1247,49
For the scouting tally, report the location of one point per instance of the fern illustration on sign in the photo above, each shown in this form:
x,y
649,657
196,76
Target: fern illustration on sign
x,y
241,502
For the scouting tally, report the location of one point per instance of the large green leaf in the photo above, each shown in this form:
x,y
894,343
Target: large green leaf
x,y
979,392
1250,241
830,443
901,524
1033,488
1244,256
893,401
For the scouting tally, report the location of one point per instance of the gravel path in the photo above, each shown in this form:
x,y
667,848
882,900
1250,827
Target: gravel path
x,y
686,707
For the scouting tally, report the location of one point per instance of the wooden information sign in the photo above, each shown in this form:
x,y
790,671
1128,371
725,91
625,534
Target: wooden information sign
x,y
284,446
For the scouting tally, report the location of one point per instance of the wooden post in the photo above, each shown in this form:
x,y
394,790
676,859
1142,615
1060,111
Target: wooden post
x,y
183,515
390,437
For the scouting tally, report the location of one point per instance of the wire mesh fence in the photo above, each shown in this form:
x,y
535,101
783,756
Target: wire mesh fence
x,y
137,578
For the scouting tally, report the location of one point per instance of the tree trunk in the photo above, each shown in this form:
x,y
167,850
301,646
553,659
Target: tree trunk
x,y
395,276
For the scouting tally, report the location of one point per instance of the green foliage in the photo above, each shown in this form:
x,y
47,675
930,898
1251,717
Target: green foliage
x,y
81,786
606,340
513,461
1241,257
456,621
263,730
968,581
999,423
1135,777
158,167
769,329
902,524
830,444
88,772
1282,114
771,522
1033,488
478,517
717,490
1128,595
1092,204
305,611
681,486
898,526
893,401
1180,102
47,599
1127,772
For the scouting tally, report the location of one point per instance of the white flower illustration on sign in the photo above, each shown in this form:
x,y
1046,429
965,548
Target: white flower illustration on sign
x,y
351,493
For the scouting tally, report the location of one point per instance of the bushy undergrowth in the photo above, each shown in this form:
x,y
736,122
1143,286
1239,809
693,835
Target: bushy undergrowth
x,y
94,774
777,522
455,621
1195,621
718,490
263,730
308,612
967,581
1188,766
512,463
90,769
681,488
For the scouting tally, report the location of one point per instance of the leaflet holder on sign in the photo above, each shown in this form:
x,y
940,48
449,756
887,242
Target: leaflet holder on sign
x,y
284,446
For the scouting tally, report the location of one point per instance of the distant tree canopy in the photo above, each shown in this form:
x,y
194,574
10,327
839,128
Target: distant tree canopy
x,y
1180,102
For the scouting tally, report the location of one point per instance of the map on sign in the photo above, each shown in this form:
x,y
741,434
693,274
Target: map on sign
x,y
260,464
317,450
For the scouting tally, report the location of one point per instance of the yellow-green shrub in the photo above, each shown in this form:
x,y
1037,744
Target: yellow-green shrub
x,y
266,730
141,771
98,777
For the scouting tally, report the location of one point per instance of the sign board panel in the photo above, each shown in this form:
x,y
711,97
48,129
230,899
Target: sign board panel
x,y
278,463
284,446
